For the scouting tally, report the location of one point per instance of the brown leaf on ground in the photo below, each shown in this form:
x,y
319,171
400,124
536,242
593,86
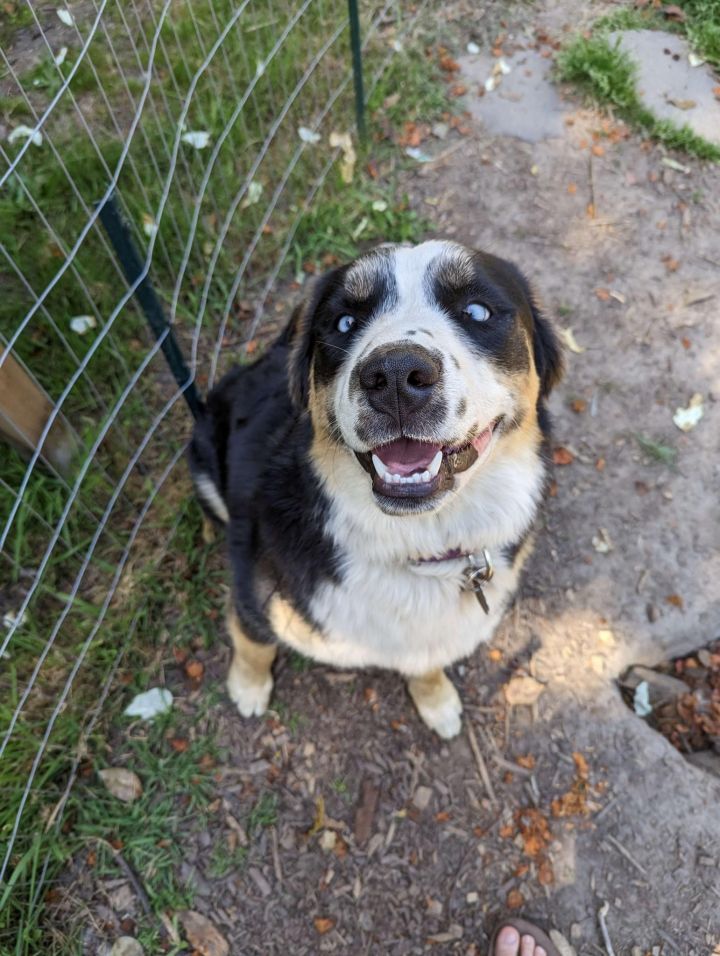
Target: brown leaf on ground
x,y
572,189
202,935
507,831
121,783
545,873
515,900
578,405
581,765
448,65
675,13
323,924
195,670
598,150
365,813
561,456
716,92
179,744
675,600
534,830
671,265
527,761
603,294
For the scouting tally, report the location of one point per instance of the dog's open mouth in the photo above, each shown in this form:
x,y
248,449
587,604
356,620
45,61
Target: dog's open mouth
x,y
407,468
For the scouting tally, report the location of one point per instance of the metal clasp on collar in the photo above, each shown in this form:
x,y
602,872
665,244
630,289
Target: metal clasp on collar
x,y
478,572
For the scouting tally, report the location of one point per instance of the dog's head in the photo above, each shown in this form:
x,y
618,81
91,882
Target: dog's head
x,y
420,362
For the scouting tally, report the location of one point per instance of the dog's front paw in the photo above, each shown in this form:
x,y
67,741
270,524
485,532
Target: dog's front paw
x,y
251,696
438,704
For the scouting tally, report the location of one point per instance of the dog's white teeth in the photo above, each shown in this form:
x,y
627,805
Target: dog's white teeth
x,y
425,476
379,467
434,466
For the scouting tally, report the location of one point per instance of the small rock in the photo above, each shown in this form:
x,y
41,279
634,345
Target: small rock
x,y
126,946
472,897
662,687
328,840
652,613
706,861
434,907
421,798
575,932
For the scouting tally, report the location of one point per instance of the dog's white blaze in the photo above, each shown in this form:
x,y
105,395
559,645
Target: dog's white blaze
x,y
208,491
472,379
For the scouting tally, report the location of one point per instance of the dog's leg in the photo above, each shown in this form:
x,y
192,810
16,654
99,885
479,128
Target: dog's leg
x,y
249,681
438,702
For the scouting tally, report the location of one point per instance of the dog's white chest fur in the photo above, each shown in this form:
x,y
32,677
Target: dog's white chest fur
x,y
388,612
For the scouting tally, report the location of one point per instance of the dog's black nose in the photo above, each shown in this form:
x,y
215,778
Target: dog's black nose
x,y
399,380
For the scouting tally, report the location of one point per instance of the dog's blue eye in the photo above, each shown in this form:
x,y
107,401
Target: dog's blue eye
x,y
345,323
477,312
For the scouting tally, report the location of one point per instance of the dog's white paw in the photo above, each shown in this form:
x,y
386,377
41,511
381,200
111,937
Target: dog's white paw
x,y
444,717
251,697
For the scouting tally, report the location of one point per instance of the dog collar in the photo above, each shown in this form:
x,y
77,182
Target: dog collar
x,y
478,571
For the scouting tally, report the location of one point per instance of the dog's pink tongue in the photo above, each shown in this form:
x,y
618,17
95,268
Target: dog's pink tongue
x,y
404,456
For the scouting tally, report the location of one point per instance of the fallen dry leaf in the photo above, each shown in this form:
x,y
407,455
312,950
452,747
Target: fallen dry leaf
x,y
562,456
523,691
581,765
687,418
202,935
578,405
515,900
179,744
323,924
675,600
603,294
671,265
121,783
682,104
568,337
365,813
572,189
673,12
545,873
534,831
195,670
527,761
598,150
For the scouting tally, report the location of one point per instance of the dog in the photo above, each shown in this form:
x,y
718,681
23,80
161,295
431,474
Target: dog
x,y
379,470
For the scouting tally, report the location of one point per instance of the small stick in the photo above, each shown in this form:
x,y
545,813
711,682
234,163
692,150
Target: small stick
x,y
132,877
626,853
276,855
602,913
514,767
591,176
482,768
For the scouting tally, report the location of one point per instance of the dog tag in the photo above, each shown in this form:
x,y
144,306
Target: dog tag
x,y
477,573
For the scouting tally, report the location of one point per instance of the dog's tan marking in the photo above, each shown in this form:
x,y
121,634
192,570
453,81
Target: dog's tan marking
x,y
438,702
249,681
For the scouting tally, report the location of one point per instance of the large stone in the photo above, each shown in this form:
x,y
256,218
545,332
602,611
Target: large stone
x,y
524,104
665,79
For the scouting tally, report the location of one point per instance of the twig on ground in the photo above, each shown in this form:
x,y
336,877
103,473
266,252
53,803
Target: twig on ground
x,y
276,855
481,765
602,913
132,879
514,767
626,853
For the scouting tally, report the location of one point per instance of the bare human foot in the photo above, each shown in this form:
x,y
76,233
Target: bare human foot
x,y
510,943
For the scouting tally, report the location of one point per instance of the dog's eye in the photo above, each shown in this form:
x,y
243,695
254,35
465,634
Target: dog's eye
x,y
345,323
477,312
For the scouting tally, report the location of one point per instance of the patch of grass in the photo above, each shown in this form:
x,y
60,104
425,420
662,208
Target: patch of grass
x,y
223,860
171,583
656,450
608,75
263,814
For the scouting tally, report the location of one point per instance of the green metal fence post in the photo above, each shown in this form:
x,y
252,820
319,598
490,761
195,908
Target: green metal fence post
x,y
357,67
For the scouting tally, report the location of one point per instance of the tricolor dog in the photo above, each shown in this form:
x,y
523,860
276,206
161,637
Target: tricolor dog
x,y
379,470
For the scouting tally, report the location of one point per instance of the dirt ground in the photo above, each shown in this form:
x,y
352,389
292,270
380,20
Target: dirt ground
x,y
388,840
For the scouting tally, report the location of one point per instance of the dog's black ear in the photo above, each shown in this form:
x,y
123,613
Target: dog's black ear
x,y
547,352
301,335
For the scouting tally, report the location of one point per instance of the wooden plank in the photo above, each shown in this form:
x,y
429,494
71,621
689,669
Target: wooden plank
x,y
24,411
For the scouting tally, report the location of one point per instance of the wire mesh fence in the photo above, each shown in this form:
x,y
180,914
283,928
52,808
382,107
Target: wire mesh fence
x,y
207,123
